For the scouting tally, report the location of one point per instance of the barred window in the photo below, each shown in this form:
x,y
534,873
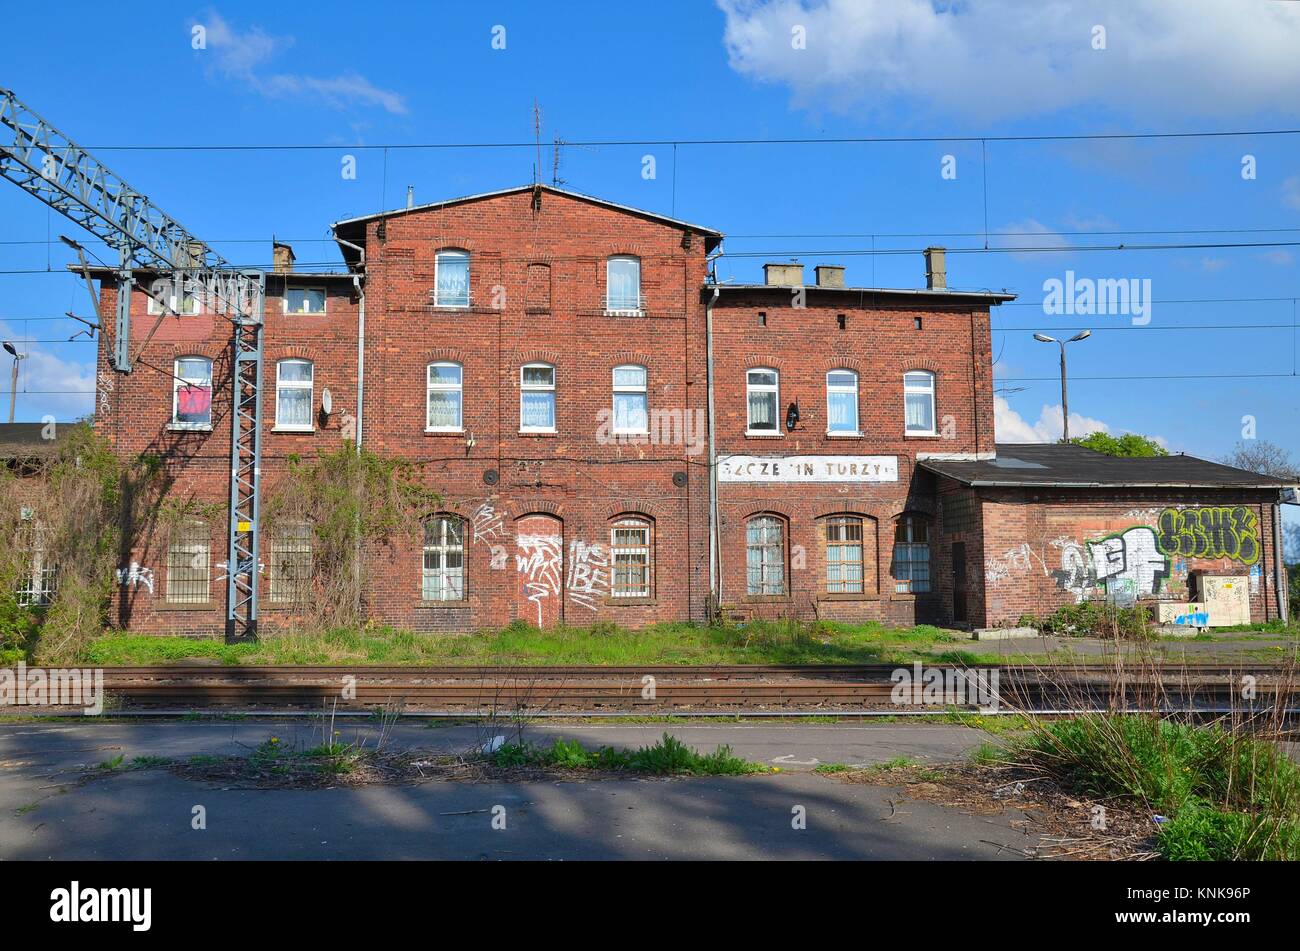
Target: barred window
x,y
630,547
444,559
912,555
189,559
36,573
844,555
765,555
291,555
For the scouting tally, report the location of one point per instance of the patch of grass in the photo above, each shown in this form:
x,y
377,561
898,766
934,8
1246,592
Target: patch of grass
x,y
26,808
831,768
203,759
898,762
1201,833
668,757
755,642
113,763
150,762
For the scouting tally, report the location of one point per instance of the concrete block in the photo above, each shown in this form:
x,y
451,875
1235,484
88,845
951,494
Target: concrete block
x,y
1003,633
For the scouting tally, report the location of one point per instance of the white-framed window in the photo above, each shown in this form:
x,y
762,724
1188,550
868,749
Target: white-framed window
x,y
631,543
842,403
444,389
189,564
304,300
451,279
291,564
192,393
762,393
918,402
444,559
623,284
912,555
36,569
765,555
293,395
844,555
537,398
179,294
631,405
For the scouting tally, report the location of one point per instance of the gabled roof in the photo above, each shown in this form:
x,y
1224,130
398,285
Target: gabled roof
x,y
1066,465
712,238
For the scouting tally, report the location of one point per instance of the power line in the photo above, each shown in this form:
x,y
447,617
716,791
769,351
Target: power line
x,y
599,143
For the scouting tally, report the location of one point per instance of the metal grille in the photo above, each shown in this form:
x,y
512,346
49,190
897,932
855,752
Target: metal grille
x,y
912,556
765,555
291,573
36,579
189,559
844,556
631,550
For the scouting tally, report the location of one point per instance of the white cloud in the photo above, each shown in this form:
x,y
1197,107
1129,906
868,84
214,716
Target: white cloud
x,y
244,56
1010,426
1279,256
1007,59
48,385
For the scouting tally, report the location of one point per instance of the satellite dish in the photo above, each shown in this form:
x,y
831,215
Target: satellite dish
x,y
326,401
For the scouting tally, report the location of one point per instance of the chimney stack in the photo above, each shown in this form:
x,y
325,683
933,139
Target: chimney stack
x,y
410,196
936,271
783,275
282,257
830,275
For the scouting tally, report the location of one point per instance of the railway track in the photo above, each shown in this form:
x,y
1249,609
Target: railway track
x,y
699,691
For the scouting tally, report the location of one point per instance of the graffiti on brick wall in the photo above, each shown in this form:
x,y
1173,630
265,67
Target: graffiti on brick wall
x,y
539,562
588,573
1211,532
1128,565
135,576
488,528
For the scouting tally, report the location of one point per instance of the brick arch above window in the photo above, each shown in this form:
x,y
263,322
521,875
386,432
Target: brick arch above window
x,y
525,508
759,513
847,513
631,358
845,361
634,508
762,361
925,365
456,242
537,356
443,355
291,352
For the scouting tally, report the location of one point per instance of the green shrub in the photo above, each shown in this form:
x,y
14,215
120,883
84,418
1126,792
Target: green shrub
x,y
1100,618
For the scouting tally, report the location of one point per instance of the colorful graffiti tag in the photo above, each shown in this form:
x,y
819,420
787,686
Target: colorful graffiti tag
x,y
1211,532
1128,565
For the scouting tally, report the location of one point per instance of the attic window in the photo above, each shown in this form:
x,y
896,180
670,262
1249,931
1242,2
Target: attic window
x,y
841,320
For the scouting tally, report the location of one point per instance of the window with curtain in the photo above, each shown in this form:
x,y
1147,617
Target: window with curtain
x,y
291,564
844,555
912,555
762,392
630,547
451,279
444,559
293,394
623,283
765,555
444,391
842,402
192,393
631,406
918,401
189,564
537,398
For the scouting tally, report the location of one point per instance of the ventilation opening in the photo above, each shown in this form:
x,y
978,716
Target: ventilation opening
x,y
841,320
762,318
918,323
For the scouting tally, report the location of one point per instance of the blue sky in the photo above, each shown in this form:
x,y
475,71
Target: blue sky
x,y
346,74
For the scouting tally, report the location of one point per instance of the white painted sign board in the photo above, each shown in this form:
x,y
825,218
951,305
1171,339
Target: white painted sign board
x,y
786,469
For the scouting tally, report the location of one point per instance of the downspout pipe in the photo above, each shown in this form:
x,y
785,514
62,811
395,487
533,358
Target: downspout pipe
x,y
1281,582
715,548
358,284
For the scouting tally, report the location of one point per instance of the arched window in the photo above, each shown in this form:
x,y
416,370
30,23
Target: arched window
x,y
844,561
762,392
537,398
631,405
294,380
192,393
444,559
631,543
443,383
623,284
912,554
451,278
842,402
918,402
765,555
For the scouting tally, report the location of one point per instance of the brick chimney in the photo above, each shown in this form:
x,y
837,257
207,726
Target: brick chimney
x,y
830,275
936,270
783,275
282,257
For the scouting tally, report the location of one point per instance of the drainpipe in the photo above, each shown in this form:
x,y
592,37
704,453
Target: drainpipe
x,y
361,334
1280,581
715,547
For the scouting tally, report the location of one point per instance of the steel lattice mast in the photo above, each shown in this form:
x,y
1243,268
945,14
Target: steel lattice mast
x,y
44,162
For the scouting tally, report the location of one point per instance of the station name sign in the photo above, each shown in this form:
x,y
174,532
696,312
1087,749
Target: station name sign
x,y
780,469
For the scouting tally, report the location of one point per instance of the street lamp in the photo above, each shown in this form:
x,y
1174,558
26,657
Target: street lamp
x,y
1065,399
13,386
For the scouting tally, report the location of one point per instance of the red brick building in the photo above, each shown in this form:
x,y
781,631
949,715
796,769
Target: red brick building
x,y
615,437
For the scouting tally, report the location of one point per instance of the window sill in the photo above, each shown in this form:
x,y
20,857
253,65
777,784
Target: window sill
x,y
441,605
300,430
630,602
188,428
907,435
767,599
436,306
751,434
624,312
167,606
844,436
539,432
847,596
919,595
306,313
443,432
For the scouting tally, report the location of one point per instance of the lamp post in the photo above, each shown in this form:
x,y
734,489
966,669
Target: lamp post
x,y
13,378
1065,399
